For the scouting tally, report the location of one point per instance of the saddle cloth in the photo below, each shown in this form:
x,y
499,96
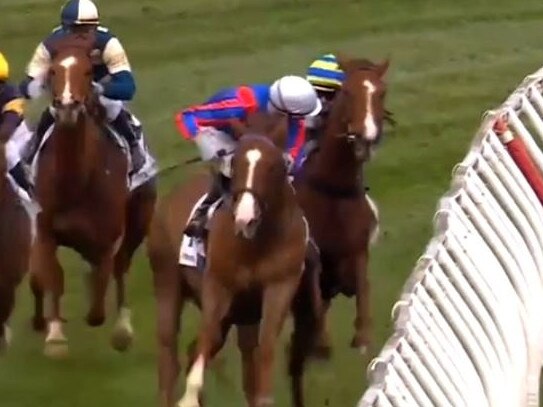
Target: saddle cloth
x,y
147,171
192,250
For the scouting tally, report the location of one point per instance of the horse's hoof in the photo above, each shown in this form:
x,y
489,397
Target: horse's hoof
x,y
56,350
95,320
122,338
5,340
188,403
38,324
361,344
322,352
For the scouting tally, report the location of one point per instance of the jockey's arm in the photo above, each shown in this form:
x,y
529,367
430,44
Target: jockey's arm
x,y
12,112
122,85
296,138
32,86
214,113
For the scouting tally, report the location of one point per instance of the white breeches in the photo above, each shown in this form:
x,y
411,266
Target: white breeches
x,y
113,107
210,142
16,144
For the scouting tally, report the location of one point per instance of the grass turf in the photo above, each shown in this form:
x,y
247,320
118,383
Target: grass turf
x,y
451,60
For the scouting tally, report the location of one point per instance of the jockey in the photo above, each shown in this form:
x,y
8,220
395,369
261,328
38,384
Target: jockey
x,y
209,126
326,77
113,79
12,106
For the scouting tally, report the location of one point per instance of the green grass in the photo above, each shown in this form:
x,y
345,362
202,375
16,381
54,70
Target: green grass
x,y
451,60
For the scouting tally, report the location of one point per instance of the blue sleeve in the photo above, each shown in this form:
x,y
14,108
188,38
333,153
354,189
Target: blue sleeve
x,y
122,86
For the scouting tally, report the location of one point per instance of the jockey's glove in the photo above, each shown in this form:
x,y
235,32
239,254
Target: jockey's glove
x,y
289,162
98,88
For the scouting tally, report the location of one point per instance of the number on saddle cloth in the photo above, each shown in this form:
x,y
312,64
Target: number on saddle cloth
x,y
192,251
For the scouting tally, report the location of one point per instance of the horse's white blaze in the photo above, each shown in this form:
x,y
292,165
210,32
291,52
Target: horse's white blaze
x,y
253,156
246,209
67,63
371,130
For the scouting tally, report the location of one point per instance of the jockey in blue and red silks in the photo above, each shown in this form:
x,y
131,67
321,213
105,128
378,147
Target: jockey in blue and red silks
x,y
209,125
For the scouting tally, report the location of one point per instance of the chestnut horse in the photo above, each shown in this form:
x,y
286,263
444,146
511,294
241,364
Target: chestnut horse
x,y
82,187
272,255
15,242
330,188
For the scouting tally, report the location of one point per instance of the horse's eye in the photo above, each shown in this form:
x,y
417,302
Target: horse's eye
x,y
88,73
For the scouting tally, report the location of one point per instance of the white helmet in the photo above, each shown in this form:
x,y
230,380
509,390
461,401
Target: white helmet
x,y
294,95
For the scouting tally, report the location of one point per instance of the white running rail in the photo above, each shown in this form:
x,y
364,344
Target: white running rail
x,y
468,328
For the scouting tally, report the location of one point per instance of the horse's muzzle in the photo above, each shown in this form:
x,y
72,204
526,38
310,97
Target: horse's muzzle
x,y
247,215
68,114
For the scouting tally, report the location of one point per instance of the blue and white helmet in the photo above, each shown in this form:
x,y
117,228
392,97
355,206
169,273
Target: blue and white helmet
x,y
79,12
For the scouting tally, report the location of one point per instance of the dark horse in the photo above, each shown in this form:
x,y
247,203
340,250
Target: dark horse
x,y
330,189
15,241
82,187
247,277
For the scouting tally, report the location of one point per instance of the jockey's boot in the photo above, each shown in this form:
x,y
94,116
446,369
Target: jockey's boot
x,y
123,125
46,120
196,226
22,178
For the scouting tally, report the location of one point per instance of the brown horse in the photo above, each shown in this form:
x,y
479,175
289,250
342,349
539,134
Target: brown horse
x,y
82,187
330,189
175,284
15,242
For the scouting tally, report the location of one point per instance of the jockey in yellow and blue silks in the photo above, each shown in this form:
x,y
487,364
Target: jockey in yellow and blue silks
x,y
13,129
208,125
113,80
327,77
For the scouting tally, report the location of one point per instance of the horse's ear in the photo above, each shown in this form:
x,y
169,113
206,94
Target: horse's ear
x,y
238,127
279,134
382,68
345,62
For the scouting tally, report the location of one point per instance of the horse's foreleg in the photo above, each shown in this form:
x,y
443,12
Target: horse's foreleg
x,y
99,280
123,331
276,305
50,276
7,302
248,345
38,321
362,323
216,301
168,294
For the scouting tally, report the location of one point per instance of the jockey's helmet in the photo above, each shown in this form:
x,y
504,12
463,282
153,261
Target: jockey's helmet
x,y
4,68
79,12
325,74
295,96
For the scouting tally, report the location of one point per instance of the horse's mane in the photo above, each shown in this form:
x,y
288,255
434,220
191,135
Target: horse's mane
x,y
261,123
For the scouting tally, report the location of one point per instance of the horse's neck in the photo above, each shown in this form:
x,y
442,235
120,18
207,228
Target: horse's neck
x,y
279,215
335,160
75,153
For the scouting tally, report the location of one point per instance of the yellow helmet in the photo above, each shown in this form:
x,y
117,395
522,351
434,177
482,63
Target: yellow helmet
x,y
4,68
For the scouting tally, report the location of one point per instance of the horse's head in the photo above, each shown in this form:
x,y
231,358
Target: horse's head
x,y
361,108
259,174
70,77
